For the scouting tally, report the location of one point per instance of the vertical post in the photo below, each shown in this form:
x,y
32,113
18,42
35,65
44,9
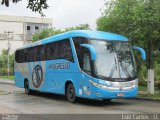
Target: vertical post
x,y
150,85
150,78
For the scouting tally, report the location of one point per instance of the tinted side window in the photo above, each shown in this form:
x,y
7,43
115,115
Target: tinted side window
x,y
52,51
59,50
21,56
39,53
65,50
55,47
48,51
25,55
42,52
77,42
17,56
69,55
30,54
56,50
35,50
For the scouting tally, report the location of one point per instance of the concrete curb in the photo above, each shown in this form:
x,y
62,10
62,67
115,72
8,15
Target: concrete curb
x,y
7,81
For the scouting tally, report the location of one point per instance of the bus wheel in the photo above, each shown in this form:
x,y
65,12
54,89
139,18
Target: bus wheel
x,y
70,93
26,87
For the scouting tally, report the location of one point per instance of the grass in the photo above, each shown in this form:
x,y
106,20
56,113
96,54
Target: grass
x,y
142,88
144,94
154,96
11,77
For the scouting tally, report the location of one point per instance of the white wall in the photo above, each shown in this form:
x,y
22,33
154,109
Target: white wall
x,y
11,26
16,24
17,27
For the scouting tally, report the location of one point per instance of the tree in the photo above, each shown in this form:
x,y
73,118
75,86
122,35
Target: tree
x,y
139,20
39,35
3,63
34,5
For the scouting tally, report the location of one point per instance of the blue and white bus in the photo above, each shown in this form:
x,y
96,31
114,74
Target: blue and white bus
x,y
80,63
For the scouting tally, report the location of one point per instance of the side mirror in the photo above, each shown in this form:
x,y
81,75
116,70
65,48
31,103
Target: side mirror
x,y
141,50
91,49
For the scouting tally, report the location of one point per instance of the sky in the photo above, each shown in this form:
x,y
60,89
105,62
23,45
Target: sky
x,y
64,13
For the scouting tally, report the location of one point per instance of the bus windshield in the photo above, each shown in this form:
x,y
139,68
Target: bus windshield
x,y
114,60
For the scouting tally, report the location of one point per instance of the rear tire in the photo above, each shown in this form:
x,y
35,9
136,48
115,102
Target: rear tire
x,y
26,87
70,93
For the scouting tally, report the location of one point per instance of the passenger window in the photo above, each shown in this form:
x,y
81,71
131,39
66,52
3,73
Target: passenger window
x,y
59,50
42,53
48,48
25,55
30,55
55,47
17,56
35,54
68,51
21,56
77,42
65,50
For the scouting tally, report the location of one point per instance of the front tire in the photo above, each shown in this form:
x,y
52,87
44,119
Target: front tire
x,y
26,87
70,93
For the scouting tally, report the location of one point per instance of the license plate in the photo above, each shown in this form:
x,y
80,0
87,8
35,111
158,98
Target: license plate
x,y
120,94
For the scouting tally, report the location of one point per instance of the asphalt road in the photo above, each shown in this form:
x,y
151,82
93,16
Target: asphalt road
x,y
15,101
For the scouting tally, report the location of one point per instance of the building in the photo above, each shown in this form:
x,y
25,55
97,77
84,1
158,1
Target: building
x,y
19,30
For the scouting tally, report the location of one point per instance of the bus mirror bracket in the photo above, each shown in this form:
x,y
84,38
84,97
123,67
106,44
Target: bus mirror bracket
x,y
91,49
142,51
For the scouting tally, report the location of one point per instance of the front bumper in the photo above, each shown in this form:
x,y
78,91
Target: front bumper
x,y
107,94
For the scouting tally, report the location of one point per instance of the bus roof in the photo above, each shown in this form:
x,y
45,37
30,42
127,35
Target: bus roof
x,y
88,34
82,33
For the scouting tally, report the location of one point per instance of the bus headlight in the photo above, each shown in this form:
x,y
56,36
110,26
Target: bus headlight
x,y
98,85
135,83
128,86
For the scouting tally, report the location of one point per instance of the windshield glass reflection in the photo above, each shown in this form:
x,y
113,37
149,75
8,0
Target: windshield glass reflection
x,y
114,59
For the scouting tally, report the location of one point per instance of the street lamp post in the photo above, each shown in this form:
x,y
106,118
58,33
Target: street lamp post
x,y
9,47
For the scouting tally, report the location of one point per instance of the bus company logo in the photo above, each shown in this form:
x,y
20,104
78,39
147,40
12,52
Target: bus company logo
x,y
37,76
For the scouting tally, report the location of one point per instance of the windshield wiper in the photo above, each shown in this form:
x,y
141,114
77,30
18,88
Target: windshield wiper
x,y
113,68
125,71
105,78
